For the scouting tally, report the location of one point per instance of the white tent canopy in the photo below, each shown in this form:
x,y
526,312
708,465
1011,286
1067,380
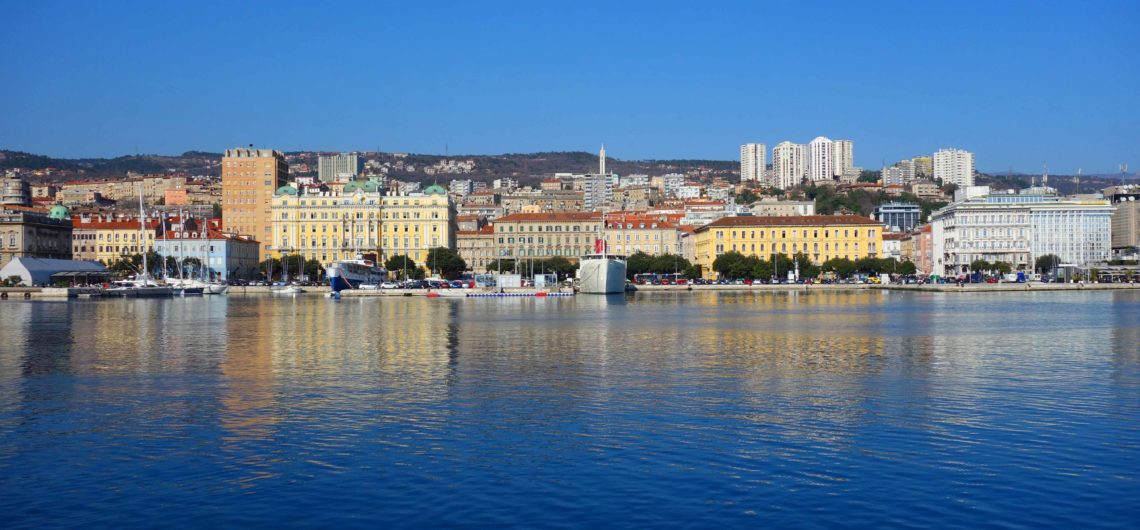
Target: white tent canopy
x,y
39,271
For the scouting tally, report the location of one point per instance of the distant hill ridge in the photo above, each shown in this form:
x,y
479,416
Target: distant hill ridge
x,y
525,167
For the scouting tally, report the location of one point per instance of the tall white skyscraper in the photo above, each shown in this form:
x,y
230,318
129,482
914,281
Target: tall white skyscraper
x,y
602,160
788,163
954,166
753,160
843,157
820,163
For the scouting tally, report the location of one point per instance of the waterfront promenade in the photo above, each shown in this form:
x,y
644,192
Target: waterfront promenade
x,y
24,293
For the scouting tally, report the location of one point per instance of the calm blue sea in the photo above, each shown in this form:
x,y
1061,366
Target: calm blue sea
x,y
745,410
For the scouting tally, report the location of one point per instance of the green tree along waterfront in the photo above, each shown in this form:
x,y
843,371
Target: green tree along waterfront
x,y
504,265
642,263
1047,264
736,266
446,262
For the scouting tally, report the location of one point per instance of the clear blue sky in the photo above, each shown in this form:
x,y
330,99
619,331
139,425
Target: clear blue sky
x,y
1019,83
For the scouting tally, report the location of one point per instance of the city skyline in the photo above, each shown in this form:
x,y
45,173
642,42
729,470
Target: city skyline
x,y
1018,87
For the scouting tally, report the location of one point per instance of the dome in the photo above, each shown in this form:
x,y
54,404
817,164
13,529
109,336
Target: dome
x,y
59,212
286,190
435,189
351,187
370,186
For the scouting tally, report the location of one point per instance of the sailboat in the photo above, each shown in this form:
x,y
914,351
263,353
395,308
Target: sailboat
x,y
209,286
288,288
142,285
182,285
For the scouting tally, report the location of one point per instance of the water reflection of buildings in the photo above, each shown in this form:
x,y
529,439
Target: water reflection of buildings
x,y
318,348
249,407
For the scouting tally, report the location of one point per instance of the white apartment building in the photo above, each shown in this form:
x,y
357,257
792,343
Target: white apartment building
x,y
461,187
789,164
901,173
505,183
338,168
820,161
596,191
1018,228
954,166
633,180
773,207
843,157
753,160
720,193
671,183
688,192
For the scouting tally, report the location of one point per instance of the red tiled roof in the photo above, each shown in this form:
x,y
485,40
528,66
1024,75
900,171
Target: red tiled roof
x,y
480,232
29,209
551,216
795,220
172,235
662,221
129,224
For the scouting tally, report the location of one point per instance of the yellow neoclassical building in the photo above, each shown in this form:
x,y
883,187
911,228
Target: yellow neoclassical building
x,y
109,239
361,219
819,237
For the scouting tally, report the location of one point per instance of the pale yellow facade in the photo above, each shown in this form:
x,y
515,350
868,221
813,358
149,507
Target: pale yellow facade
x,y
477,248
545,235
110,241
819,237
331,227
641,234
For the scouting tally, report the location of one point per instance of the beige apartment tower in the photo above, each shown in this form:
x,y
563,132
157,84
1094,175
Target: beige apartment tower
x,y
249,178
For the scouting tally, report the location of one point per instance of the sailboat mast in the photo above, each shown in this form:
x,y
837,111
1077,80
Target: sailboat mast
x,y
142,233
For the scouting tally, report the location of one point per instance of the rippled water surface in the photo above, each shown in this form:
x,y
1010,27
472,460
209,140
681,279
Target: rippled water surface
x,y
702,410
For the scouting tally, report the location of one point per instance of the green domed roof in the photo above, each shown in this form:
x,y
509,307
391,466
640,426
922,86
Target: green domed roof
x,y
435,189
367,186
286,190
59,212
